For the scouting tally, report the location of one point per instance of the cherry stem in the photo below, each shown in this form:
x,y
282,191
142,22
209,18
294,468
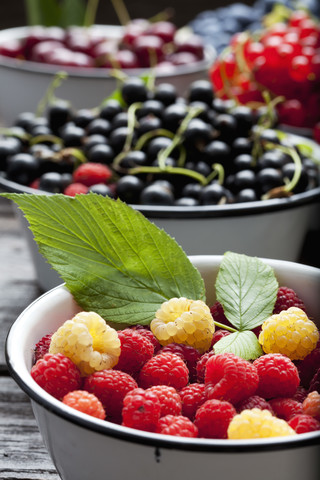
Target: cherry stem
x,y
121,11
159,132
45,138
217,169
90,13
224,327
49,95
297,161
172,170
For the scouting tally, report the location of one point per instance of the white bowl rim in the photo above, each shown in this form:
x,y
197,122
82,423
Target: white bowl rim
x,y
103,73
54,406
199,211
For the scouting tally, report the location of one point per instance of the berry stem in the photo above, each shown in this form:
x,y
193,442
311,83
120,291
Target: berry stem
x,y
172,170
224,327
45,138
217,169
49,95
90,13
121,11
159,132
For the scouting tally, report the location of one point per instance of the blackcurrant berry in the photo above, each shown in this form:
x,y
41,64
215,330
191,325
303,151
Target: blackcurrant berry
x,y
156,195
134,90
129,188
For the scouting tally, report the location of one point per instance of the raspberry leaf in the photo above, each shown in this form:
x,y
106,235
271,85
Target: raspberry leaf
x,y
244,344
114,261
247,289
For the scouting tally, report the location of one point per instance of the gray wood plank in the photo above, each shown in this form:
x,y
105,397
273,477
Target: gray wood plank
x,y
22,452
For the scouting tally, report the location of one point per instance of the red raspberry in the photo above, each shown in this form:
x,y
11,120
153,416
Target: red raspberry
x,y
285,408
74,189
42,347
192,397
278,376
254,402
201,365
229,377
56,374
315,382
85,402
164,369
304,423
218,334
311,405
300,394
169,399
188,354
135,351
92,173
110,386
286,298
178,426
141,410
308,366
146,332
213,418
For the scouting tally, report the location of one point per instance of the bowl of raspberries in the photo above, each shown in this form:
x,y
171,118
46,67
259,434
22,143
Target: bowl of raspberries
x,y
215,175
90,56
177,363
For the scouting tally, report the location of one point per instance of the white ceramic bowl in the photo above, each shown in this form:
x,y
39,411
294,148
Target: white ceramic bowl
x,y
271,228
23,83
82,447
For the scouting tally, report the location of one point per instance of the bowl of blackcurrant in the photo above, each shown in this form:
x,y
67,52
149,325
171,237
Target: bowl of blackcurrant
x,y
211,173
30,56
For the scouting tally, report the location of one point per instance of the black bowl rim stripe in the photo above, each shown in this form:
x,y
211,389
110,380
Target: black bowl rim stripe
x,y
199,212
156,440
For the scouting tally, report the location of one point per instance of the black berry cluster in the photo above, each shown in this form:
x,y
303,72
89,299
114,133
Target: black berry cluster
x,y
156,148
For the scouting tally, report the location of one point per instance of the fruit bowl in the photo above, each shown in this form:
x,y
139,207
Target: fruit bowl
x,y
68,433
85,87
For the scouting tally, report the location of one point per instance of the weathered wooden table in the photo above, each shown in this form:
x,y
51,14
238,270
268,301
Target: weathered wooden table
x,y
22,453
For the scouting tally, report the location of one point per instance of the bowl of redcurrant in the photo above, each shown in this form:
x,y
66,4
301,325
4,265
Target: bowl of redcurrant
x,y
131,392
30,56
283,58
213,174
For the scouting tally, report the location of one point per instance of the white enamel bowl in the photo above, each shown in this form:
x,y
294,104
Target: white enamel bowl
x,y
24,83
82,447
270,228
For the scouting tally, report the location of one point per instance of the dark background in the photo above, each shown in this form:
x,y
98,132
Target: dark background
x,y
12,12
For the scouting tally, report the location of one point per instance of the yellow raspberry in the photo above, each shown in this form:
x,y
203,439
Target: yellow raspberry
x,y
289,332
184,321
88,341
256,423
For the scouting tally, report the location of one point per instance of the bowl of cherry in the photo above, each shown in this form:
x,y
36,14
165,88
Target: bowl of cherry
x,y
30,56
211,173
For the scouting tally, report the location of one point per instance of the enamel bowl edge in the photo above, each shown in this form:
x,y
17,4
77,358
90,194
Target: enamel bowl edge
x,y
83,448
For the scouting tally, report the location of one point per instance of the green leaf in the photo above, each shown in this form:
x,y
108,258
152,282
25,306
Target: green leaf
x,y
247,289
244,344
114,261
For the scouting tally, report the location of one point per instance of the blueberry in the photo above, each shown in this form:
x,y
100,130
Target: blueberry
x,y
101,153
110,109
213,194
99,126
156,195
134,90
129,188
173,116
8,146
102,189
83,117
166,93
202,91
51,182
22,168
59,113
